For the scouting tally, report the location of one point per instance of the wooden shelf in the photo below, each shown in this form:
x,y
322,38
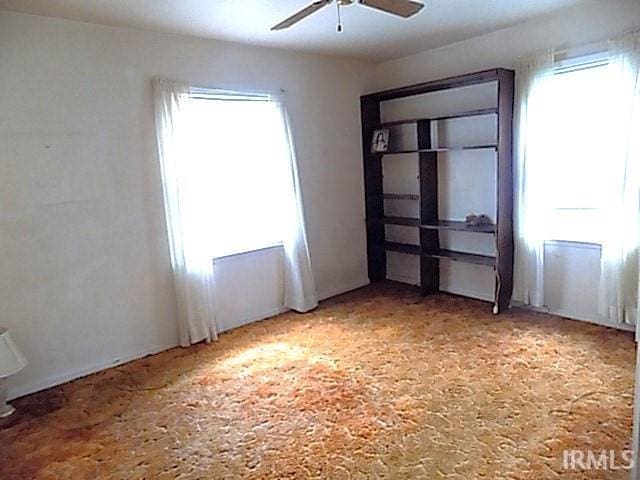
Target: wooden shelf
x,y
459,226
400,196
443,149
462,257
410,249
467,114
396,196
405,221
400,247
439,225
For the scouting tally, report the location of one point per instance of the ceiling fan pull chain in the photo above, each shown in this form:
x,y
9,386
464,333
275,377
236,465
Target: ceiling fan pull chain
x,y
339,28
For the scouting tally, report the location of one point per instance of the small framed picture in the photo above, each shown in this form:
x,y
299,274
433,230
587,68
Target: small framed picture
x,y
380,141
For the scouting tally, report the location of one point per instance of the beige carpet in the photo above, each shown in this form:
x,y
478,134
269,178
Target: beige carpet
x,y
379,383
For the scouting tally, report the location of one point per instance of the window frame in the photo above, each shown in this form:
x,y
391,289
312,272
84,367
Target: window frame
x,y
565,66
208,94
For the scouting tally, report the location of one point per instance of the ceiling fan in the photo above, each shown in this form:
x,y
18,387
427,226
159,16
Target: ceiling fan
x,y
401,8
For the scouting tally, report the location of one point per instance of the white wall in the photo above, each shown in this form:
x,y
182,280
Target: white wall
x,y
84,271
572,270
593,21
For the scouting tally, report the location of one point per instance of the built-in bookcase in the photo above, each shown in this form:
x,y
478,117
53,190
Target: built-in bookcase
x,y
422,137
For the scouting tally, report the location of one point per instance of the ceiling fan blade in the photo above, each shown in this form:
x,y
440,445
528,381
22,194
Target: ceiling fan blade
x,y
402,8
302,14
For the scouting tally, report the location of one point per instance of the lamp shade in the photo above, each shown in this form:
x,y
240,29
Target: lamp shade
x,y
11,358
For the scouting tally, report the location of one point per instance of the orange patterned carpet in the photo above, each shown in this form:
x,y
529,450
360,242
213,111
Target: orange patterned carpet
x,y
378,383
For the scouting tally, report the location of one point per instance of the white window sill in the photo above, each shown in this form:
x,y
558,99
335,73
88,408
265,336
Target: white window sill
x,y
593,245
247,252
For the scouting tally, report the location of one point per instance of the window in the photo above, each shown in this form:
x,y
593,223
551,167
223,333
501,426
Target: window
x,y
576,140
238,155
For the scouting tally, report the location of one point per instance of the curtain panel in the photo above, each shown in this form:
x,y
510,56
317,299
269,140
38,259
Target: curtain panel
x,y
618,291
531,112
185,210
299,286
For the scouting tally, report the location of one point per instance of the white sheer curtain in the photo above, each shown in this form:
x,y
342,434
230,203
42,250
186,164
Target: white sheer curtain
x,y
618,293
531,114
299,286
185,212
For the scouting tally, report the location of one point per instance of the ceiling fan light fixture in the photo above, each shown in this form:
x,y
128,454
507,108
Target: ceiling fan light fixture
x,y
400,8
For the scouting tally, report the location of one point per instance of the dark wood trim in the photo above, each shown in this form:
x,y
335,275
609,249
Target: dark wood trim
x,y
407,248
405,221
429,264
374,206
434,225
462,257
504,232
469,79
429,239
400,196
436,253
442,149
468,114
459,226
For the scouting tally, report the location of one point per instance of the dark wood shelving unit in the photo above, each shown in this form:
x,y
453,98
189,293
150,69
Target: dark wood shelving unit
x,y
429,224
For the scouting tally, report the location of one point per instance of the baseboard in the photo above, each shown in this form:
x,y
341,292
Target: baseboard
x,y
478,296
465,293
54,381
468,293
404,279
344,288
603,323
256,318
561,313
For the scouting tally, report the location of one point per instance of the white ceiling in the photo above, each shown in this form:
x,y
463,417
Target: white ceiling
x,y
367,34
